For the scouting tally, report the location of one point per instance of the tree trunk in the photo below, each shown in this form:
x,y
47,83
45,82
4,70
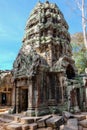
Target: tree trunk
x,y
84,24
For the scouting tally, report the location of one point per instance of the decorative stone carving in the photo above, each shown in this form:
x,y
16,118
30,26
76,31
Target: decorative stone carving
x,y
43,60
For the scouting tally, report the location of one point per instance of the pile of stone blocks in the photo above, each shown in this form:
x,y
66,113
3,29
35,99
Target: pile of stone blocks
x,y
49,122
67,121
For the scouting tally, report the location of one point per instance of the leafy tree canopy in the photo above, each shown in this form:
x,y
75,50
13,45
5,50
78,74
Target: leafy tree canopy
x,y
79,52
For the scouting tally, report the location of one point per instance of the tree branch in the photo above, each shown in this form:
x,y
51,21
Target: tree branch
x,y
78,4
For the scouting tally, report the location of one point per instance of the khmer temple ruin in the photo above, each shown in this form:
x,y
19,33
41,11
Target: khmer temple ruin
x,y
44,90
6,88
44,78
44,62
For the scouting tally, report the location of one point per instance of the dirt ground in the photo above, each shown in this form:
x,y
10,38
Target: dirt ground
x,y
2,126
2,111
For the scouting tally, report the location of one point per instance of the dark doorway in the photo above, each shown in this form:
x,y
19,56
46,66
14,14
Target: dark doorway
x,y
70,72
52,86
3,98
78,96
24,99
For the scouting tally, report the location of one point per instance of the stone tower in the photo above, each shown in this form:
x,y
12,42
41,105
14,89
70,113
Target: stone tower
x,y
44,61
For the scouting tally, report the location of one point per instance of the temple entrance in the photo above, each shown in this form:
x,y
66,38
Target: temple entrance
x,y
4,99
24,99
73,97
78,96
70,72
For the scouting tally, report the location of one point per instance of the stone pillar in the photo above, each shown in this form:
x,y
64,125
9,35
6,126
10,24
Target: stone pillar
x,y
8,97
50,55
61,85
13,94
21,103
51,91
30,98
17,100
76,107
76,103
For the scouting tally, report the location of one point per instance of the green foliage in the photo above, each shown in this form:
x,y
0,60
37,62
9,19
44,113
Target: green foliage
x,y
79,53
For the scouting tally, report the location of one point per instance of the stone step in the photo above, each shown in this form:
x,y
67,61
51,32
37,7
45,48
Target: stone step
x,y
84,129
3,110
27,120
70,128
72,124
36,119
4,120
80,127
54,121
61,127
42,122
14,127
7,116
83,123
67,114
33,126
79,117
47,128
25,127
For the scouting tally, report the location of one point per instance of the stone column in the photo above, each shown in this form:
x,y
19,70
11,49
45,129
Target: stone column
x,y
49,88
21,103
13,95
50,55
8,97
62,91
30,98
76,107
76,103
17,100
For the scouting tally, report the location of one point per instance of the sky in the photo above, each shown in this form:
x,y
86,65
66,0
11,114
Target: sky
x,y
13,18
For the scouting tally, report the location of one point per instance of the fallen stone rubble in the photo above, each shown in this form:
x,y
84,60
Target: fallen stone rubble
x,y
67,121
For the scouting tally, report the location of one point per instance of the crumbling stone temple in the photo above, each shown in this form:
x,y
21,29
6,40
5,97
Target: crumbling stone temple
x,y
44,62
6,88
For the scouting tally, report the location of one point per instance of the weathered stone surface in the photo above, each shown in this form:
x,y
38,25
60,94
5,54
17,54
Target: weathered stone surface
x,y
72,124
83,123
36,119
17,118
25,127
14,127
54,122
44,62
33,126
42,122
70,128
67,114
84,128
6,87
61,127
79,117
8,116
47,128
27,120
85,114
80,127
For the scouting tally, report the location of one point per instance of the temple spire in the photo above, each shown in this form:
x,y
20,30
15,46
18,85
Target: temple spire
x,y
47,1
